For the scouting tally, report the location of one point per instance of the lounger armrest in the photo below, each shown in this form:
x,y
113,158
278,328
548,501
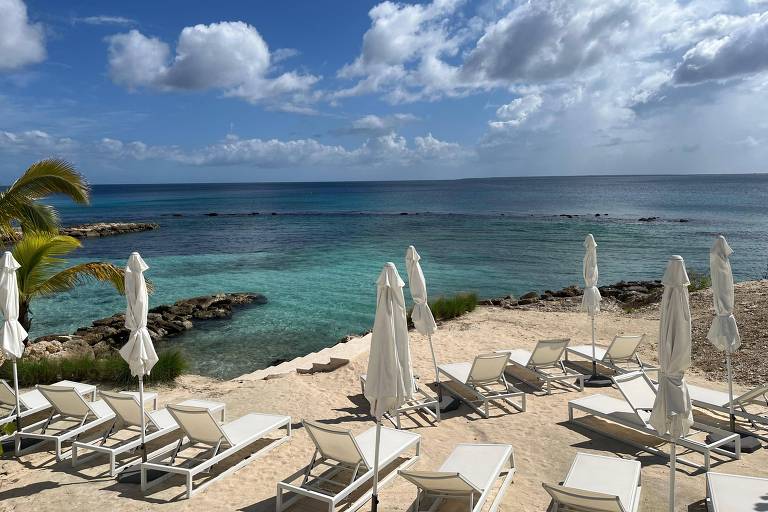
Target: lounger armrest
x,y
439,482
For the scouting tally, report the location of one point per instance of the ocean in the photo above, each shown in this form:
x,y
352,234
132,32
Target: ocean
x,y
315,249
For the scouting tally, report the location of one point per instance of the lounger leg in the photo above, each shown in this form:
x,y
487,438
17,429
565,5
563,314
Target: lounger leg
x,y
189,485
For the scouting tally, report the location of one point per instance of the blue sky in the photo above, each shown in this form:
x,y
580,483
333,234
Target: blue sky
x,y
281,91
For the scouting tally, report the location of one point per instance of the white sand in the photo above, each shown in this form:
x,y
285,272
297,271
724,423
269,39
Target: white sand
x,y
544,442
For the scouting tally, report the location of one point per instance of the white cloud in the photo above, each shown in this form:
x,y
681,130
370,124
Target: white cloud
x,y
104,19
21,42
227,56
517,112
35,141
743,51
372,124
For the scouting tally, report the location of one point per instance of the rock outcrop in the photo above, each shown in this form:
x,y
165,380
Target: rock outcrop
x,y
106,335
626,293
107,229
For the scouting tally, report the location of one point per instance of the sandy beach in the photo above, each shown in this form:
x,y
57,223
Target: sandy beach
x,y
543,440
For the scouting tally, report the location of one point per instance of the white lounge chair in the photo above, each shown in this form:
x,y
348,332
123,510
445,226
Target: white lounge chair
x,y
70,417
421,401
484,379
32,402
620,356
202,430
128,413
349,465
596,483
545,358
714,400
634,412
469,473
732,493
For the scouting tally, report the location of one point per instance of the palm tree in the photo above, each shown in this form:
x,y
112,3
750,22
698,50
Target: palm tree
x,y
44,270
19,202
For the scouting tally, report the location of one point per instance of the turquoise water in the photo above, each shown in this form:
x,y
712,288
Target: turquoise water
x,y
317,259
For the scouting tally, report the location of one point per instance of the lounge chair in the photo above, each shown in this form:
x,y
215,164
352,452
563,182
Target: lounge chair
x,y
348,465
729,493
598,483
128,412
634,412
421,401
470,473
70,409
202,430
620,356
718,401
32,402
484,379
545,358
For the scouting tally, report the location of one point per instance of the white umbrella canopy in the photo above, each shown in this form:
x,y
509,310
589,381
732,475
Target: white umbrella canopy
x,y
139,351
13,334
724,333
389,383
422,317
672,412
590,302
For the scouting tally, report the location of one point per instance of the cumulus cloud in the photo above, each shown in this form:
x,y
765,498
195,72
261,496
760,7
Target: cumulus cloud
x,y
744,51
21,42
35,141
372,124
517,111
227,56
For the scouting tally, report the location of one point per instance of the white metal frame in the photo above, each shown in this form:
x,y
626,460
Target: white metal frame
x,y
477,497
541,371
757,421
309,486
613,363
203,465
484,392
423,403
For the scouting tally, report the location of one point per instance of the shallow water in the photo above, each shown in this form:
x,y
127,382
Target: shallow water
x,y
317,259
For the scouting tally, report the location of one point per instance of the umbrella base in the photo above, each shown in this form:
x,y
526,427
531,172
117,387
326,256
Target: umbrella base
x,y
447,404
132,475
749,443
598,381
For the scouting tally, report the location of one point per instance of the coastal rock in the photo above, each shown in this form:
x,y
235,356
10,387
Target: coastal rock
x,y
59,346
648,219
530,296
100,229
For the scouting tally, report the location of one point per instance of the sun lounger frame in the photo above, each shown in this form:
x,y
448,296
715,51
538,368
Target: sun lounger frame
x,y
203,465
758,421
423,403
484,393
567,375
307,489
712,504
475,505
613,363
706,449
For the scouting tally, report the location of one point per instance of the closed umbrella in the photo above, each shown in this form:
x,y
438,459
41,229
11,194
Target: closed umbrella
x,y
724,333
421,315
139,351
672,408
390,380
13,334
590,302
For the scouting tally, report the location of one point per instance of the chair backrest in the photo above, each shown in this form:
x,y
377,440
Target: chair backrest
x,y
334,443
579,499
548,352
7,395
198,424
66,401
624,346
753,393
439,482
126,407
637,389
488,368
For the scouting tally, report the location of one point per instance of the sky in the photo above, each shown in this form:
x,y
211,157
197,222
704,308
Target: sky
x,y
180,91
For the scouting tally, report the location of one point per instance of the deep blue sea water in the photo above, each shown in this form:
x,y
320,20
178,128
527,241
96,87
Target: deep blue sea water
x,y
318,257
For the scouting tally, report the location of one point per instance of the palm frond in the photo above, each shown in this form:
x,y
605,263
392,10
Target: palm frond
x,y
49,177
35,217
81,274
40,256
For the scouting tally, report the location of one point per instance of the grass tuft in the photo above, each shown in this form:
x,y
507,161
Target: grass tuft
x,y
699,280
445,308
113,370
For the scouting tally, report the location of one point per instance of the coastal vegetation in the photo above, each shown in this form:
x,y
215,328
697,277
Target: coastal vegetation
x,y
445,308
111,369
699,280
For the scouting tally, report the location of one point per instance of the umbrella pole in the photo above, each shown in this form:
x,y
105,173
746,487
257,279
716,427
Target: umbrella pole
x,y
375,496
434,363
594,356
16,390
143,419
596,380
672,460
730,388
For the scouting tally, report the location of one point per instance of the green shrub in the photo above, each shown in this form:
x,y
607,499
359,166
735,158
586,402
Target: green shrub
x,y
699,280
112,370
445,308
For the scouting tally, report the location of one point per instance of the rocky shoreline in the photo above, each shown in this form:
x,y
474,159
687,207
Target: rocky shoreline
x,y
105,336
629,294
96,230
